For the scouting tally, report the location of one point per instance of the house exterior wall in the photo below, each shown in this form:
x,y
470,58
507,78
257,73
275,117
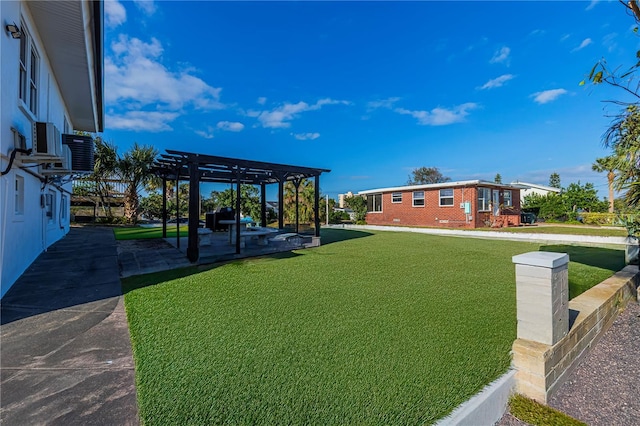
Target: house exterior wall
x,y
432,214
25,228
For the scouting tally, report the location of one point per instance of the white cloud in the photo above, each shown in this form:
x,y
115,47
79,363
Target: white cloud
x,y
141,121
262,100
281,116
207,133
548,95
114,13
382,103
497,82
440,116
592,4
230,126
146,6
306,136
585,43
565,37
501,55
135,75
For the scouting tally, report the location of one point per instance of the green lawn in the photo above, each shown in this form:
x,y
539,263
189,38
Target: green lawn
x,y
370,328
137,232
567,230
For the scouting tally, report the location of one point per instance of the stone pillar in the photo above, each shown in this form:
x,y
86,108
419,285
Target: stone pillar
x,y
542,293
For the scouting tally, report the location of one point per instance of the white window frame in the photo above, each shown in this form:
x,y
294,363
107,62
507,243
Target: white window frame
x,y
484,202
18,208
415,197
395,196
29,73
375,207
507,201
63,206
50,206
446,197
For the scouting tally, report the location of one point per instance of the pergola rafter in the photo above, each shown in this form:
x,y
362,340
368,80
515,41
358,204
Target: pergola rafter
x,y
196,168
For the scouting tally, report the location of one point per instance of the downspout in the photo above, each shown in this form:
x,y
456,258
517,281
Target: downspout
x,y
4,225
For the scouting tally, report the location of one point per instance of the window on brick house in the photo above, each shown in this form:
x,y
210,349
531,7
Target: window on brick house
x,y
484,199
507,200
374,203
396,197
446,197
418,198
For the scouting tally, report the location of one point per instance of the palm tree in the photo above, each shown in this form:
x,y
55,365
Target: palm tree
x,y
135,168
104,169
306,200
607,164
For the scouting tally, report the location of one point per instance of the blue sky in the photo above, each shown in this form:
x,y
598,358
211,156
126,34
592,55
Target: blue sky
x,y
369,90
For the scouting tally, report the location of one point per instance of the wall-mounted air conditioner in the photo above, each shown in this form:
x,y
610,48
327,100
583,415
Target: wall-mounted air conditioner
x,y
82,157
62,167
46,140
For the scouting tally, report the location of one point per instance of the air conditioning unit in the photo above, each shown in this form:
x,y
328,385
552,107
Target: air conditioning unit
x,y
82,157
46,140
63,167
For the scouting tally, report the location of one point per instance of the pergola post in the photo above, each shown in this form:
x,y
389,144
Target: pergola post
x,y
176,189
263,205
164,207
238,211
316,205
193,251
280,202
296,183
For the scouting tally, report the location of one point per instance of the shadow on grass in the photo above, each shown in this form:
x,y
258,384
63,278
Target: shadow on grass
x,y
146,280
330,236
598,257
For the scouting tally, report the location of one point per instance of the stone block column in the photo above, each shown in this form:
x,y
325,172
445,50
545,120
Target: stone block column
x,y
542,292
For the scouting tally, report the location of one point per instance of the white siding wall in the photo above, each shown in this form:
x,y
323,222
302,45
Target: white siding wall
x,y
24,237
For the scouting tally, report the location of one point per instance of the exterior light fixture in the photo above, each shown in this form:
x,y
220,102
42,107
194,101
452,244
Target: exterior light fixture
x,y
14,30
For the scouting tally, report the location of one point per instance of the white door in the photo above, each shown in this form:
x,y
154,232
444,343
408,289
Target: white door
x,y
496,202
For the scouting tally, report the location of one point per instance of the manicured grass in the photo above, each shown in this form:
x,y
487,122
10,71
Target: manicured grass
x,y
369,328
137,232
536,414
567,230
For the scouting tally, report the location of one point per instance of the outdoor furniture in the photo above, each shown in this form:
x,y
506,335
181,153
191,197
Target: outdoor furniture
x,y
204,236
255,232
231,224
213,220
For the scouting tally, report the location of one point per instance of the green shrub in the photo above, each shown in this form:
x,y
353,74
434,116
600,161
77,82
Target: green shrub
x,y
599,218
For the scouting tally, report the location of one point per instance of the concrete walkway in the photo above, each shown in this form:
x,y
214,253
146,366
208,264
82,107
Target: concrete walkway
x,y
65,356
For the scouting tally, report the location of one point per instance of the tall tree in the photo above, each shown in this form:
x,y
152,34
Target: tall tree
x,y
306,200
554,180
104,168
135,169
426,175
249,200
607,164
498,178
358,204
623,135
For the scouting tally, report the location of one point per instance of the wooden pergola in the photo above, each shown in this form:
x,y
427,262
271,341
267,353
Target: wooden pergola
x,y
186,166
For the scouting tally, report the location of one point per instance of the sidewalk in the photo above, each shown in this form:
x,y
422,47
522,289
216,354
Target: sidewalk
x,y
66,356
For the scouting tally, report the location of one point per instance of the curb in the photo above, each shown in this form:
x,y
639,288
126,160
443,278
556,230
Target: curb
x,y
487,406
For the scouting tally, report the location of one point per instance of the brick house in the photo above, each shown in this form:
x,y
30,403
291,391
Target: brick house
x,y
464,204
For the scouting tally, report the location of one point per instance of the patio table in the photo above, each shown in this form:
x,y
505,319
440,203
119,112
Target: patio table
x,y
232,227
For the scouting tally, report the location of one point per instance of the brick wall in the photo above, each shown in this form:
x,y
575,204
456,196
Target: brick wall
x,y
434,215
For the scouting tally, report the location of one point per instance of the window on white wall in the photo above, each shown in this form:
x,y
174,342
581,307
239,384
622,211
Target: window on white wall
x,y
484,199
19,196
63,207
29,71
50,206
